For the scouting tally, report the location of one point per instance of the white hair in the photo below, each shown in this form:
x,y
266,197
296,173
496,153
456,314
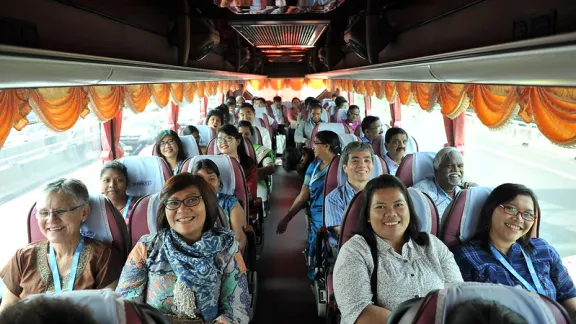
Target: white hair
x,y
448,150
73,187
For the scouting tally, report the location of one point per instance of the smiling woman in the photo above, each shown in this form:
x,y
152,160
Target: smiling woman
x,y
189,268
113,183
169,147
66,260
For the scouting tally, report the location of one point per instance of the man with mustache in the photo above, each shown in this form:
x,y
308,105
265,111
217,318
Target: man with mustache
x,y
395,141
447,180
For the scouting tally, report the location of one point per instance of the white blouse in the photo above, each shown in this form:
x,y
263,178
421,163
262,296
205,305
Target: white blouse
x,y
419,270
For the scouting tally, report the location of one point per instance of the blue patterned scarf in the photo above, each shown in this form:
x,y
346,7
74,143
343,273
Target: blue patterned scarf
x,y
199,266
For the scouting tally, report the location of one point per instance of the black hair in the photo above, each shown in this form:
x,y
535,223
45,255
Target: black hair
x,y
43,310
231,100
181,156
245,123
500,195
189,130
277,98
353,107
206,164
391,132
480,311
387,181
291,159
247,105
330,138
215,112
367,121
245,161
339,101
117,166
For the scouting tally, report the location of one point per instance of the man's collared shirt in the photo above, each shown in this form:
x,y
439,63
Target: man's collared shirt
x,y
336,203
392,165
440,198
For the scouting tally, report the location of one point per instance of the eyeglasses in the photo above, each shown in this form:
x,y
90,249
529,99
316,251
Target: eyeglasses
x,y
168,142
188,202
225,139
510,210
45,214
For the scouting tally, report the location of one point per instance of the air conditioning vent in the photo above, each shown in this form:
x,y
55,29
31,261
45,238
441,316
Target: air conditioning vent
x,y
303,34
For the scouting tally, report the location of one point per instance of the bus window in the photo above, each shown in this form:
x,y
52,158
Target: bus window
x,y
139,130
34,156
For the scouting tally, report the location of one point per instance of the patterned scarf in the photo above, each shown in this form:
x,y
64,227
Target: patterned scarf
x,y
199,266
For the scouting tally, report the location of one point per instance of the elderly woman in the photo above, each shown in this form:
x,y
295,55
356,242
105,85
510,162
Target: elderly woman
x,y
189,268
235,214
389,261
215,119
113,183
503,251
169,147
65,260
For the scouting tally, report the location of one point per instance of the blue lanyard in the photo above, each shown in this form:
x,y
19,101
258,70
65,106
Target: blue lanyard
x,y
508,267
73,269
125,212
312,179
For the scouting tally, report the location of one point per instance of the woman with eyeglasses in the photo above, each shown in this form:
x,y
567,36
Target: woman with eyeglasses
x,y
231,143
326,147
235,215
169,147
65,260
189,269
504,252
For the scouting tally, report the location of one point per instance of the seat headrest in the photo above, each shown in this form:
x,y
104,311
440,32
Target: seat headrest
x,y
416,167
190,146
342,114
225,167
265,135
473,200
97,225
376,170
337,128
422,209
529,305
346,139
145,175
152,212
260,112
325,116
206,134
411,147
350,219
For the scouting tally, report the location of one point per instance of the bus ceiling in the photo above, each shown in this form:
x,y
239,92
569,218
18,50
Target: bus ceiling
x,y
519,42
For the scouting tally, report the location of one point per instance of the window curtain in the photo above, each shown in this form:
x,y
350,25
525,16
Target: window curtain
x,y
110,137
455,131
395,112
173,110
13,110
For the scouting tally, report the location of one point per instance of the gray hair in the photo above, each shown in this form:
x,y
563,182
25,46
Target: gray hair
x,y
448,150
73,187
354,147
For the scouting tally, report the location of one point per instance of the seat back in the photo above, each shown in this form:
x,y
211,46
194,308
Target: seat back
x,y
434,308
350,219
213,148
146,174
341,114
104,223
106,306
380,148
206,133
425,210
191,148
416,167
337,177
337,128
256,137
346,139
265,137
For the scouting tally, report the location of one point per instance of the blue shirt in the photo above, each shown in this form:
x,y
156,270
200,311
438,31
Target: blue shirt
x,y
336,203
227,203
392,165
434,191
314,180
365,140
478,264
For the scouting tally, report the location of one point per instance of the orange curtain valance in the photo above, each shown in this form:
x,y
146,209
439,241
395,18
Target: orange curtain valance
x,y
293,83
552,109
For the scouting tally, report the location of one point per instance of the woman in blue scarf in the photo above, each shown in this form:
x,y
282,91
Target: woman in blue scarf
x,y
188,268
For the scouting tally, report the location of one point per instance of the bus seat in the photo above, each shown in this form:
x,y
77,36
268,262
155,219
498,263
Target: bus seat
x,y
379,167
350,219
380,148
213,148
104,223
256,137
346,139
148,150
206,133
326,116
425,210
265,137
106,306
461,216
191,148
435,306
337,128
341,114
146,174
416,167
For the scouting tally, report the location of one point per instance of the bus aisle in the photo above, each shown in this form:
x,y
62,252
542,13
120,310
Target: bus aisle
x,y
284,293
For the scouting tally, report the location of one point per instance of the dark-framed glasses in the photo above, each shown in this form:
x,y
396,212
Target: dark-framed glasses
x,y
168,142
192,201
511,210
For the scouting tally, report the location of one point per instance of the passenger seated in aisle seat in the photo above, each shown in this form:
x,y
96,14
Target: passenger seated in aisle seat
x,y
231,143
326,147
305,128
352,117
169,147
340,103
447,180
297,160
502,251
231,104
215,118
371,127
264,159
395,141
294,116
409,263
261,103
247,112
235,214
49,265
279,111
47,311
189,268
192,130
480,311
357,164
113,183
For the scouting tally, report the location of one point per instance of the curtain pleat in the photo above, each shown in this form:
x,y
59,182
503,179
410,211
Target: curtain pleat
x,y
59,108
105,101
